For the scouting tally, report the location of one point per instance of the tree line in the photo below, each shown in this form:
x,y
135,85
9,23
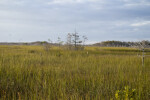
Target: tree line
x,y
146,43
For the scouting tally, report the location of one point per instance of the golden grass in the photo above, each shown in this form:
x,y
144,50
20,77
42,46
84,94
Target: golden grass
x,y
30,73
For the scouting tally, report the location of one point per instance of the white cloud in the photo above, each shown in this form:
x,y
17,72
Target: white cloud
x,y
12,2
141,23
71,1
136,3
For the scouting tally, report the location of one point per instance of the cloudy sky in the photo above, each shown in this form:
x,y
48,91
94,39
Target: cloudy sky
x,y
99,20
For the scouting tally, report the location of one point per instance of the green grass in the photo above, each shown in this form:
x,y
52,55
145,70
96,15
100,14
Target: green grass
x,y
30,73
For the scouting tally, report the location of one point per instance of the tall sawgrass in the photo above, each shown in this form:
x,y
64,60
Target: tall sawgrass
x,y
30,73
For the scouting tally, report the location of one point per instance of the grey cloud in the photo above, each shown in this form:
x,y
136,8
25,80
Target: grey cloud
x,y
99,20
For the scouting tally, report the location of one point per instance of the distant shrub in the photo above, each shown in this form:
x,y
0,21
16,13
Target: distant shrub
x,y
31,51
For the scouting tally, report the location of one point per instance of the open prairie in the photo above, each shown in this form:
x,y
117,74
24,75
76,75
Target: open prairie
x,y
96,73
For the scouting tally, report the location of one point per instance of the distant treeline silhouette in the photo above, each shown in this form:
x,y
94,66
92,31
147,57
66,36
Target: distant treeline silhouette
x,y
122,44
146,43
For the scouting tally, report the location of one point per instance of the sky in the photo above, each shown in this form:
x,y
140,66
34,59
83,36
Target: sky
x,y
99,20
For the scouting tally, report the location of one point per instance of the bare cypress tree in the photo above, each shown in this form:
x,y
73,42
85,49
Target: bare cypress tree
x,y
84,39
76,40
59,41
69,41
141,46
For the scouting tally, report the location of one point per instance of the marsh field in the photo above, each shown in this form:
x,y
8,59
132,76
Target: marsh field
x,y
96,73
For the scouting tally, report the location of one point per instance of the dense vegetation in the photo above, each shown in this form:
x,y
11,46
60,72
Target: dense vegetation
x,y
123,44
31,73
